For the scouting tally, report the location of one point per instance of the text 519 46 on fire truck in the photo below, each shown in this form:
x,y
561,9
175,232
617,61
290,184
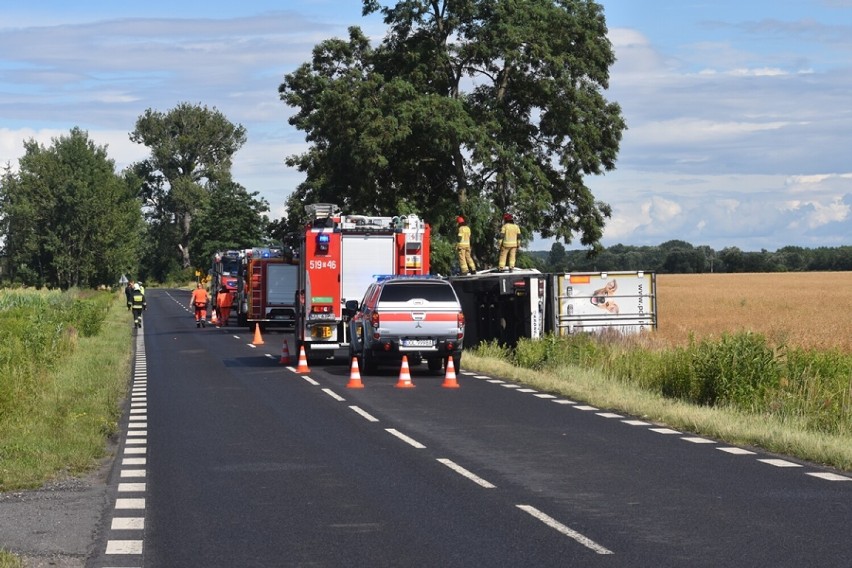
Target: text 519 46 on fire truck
x,y
340,256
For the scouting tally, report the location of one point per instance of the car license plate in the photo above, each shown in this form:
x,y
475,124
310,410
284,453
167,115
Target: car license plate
x,y
417,343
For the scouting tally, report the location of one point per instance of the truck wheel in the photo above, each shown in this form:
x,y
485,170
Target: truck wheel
x,y
435,363
456,362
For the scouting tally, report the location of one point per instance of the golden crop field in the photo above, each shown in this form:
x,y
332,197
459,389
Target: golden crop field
x,y
806,309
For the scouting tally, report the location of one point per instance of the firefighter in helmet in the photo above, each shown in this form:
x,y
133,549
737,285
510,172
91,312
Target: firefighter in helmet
x,y
138,305
463,247
509,236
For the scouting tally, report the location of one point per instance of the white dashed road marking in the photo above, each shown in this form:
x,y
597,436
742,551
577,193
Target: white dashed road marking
x,y
567,531
404,438
466,473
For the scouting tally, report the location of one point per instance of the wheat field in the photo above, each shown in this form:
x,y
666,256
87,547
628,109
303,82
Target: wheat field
x,y
812,310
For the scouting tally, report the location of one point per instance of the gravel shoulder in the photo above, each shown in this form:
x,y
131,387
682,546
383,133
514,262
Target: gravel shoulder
x,y
56,526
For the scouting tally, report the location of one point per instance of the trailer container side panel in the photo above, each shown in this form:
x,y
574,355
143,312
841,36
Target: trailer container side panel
x,y
624,301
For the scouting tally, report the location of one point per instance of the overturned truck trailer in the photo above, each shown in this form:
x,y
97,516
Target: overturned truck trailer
x,y
507,306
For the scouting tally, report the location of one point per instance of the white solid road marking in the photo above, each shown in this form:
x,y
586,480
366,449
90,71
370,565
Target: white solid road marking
x,y
364,413
404,438
468,474
567,531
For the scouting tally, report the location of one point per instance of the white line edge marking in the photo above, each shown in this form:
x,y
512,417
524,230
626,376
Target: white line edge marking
x,y
466,473
333,395
569,532
310,380
779,463
364,413
829,476
404,438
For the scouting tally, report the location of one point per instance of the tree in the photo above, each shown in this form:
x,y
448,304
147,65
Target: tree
x,y
231,219
472,107
191,152
67,218
557,260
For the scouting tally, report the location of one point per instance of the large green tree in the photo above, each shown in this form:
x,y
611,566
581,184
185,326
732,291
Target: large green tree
x,y
191,154
475,107
66,218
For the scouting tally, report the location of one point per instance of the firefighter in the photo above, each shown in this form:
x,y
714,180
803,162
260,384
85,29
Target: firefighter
x,y
128,293
198,302
509,235
138,305
463,247
224,299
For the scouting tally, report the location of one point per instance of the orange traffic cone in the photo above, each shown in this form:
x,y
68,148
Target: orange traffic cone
x,y
258,340
404,375
214,319
450,381
354,376
285,354
303,362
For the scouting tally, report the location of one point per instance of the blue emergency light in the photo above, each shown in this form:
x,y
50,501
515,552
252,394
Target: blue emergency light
x,y
323,241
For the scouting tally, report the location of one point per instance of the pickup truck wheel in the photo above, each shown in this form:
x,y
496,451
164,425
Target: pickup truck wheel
x,y
435,363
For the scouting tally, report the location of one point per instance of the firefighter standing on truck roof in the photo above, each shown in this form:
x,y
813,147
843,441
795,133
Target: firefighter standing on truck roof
x,y
463,247
198,302
509,235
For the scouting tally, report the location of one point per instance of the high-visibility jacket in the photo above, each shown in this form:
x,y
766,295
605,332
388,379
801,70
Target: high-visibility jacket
x,y
138,300
464,237
509,235
199,297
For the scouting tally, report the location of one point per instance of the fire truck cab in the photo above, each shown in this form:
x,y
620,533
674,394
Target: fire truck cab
x,y
340,256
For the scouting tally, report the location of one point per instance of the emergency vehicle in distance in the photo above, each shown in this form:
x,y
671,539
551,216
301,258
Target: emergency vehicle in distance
x,y
263,283
340,256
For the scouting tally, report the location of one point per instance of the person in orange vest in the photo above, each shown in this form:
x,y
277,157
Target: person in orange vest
x,y
224,299
509,236
463,248
198,302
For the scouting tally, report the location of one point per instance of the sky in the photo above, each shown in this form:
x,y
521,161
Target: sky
x,y
739,113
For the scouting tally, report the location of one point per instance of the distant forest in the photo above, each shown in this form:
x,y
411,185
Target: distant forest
x,y
680,257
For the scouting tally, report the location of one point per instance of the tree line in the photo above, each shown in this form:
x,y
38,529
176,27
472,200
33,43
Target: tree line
x,y
681,257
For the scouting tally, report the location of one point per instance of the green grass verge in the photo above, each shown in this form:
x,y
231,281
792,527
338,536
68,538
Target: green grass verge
x,y
59,409
783,434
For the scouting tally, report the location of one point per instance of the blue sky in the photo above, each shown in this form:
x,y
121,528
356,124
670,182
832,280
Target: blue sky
x,y
739,113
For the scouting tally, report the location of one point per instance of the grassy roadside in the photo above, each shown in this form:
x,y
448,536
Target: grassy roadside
x,y
784,436
74,406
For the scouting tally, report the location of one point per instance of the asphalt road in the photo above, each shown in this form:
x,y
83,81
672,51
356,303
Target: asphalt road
x,y
232,459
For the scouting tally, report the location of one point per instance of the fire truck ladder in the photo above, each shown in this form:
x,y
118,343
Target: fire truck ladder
x,y
256,291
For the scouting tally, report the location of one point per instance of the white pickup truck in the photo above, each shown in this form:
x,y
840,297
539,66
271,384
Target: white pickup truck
x,y
417,316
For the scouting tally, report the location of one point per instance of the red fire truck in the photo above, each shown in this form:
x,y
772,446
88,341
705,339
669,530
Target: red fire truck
x,y
270,280
339,257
